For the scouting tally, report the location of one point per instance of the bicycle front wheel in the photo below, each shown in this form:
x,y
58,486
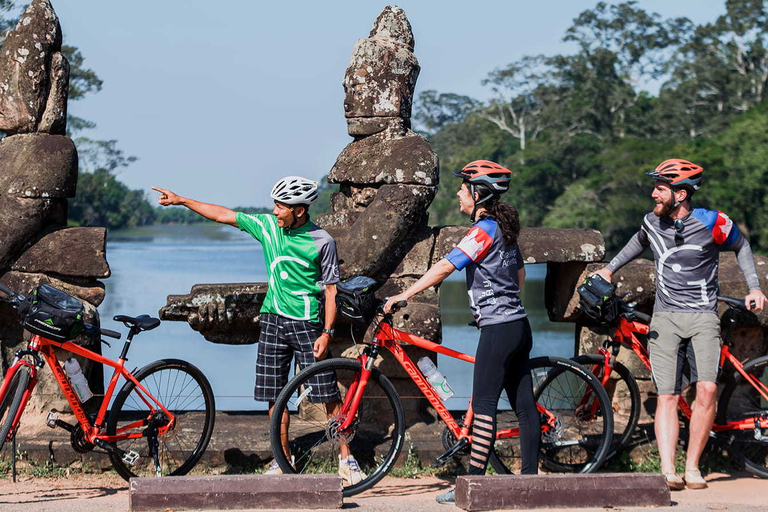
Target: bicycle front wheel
x,y
186,393
742,401
576,420
374,438
624,394
11,400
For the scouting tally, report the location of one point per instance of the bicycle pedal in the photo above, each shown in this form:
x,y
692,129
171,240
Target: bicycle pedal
x,y
453,450
130,457
51,419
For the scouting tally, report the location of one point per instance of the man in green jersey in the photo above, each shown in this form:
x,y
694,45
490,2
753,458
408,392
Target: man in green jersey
x,y
302,269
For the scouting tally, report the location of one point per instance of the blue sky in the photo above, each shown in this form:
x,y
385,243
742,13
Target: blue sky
x,y
219,99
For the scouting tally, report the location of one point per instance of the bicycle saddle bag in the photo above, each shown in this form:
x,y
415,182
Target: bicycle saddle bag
x,y
598,299
355,300
52,314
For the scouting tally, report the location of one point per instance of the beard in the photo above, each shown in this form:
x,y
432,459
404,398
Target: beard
x,y
663,209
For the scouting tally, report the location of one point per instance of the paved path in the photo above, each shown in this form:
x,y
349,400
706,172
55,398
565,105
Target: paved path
x,y
106,493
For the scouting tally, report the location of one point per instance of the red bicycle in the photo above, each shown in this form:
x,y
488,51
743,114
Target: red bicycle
x,y
741,424
371,419
159,423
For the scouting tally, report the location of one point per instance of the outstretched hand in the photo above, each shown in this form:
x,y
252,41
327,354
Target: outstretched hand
x,y
167,198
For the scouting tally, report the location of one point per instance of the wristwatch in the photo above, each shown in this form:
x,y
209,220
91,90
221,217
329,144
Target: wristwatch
x,y
329,332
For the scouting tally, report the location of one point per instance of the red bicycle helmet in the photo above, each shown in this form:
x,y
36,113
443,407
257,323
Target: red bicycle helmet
x,y
489,173
678,173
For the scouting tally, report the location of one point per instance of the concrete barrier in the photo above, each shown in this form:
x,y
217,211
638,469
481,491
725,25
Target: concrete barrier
x,y
561,491
233,492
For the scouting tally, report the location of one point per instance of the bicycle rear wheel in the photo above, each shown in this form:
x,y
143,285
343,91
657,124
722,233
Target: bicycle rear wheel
x,y
742,401
10,402
624,394
374,438
577,437
185,392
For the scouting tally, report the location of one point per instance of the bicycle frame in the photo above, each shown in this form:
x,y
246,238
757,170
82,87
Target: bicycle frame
x,y
625,335
91,430
388,337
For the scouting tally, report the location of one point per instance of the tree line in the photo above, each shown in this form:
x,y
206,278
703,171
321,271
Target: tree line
x,y
580,130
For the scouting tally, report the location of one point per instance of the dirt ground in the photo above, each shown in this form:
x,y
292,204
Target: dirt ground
x,y
108,492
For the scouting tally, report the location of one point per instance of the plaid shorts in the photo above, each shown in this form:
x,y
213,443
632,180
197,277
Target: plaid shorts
x,y
280,339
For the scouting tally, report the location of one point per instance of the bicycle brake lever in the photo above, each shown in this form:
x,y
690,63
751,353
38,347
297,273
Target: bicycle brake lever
x,y
106,343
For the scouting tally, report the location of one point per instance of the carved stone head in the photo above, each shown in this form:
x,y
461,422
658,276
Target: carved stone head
x,y
381,77
34,75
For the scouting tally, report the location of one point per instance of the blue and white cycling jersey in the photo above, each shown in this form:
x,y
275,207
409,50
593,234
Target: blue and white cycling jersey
x,y
491,266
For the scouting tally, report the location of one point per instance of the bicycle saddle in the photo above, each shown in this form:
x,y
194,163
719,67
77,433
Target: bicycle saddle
x,y
143,322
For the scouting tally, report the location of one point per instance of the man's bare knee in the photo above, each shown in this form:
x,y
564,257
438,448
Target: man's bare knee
x,y
706,393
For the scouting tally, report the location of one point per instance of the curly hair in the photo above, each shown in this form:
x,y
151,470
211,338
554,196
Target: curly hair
x,y
507,217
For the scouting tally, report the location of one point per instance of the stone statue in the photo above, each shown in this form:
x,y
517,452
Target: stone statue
x,y
38,172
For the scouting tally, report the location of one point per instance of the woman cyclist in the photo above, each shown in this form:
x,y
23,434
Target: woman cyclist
x,y
495,275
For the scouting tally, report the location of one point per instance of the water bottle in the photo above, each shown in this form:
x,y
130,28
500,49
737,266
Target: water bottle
x,y
435,378
79,382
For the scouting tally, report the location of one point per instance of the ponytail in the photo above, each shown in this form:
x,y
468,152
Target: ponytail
x,y
507,217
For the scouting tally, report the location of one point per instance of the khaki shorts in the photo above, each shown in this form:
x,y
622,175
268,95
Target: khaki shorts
x,y
675,337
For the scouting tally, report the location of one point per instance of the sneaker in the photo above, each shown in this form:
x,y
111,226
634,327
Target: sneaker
x,y
274,469
350,471
694,480
674,482
447,498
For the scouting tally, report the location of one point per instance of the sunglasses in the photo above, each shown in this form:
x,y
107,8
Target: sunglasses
x,y
679,226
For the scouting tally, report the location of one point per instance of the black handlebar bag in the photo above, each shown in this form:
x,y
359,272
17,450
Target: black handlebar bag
x,y
52,314
355,300
598,300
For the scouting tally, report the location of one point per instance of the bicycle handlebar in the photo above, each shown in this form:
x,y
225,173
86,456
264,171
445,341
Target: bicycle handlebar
x,y
12,295
736,303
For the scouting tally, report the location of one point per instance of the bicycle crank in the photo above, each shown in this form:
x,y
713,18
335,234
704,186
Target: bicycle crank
x,y
129,457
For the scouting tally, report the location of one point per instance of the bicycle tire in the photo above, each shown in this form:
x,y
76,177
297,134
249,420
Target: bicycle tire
x,y
623,391
740,400
183,390
576,445
11,401
378,431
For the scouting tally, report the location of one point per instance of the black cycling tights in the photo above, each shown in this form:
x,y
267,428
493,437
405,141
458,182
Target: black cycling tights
x,y
501,363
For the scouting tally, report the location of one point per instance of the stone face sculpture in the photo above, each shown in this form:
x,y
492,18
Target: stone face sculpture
x,y
38,172
34,75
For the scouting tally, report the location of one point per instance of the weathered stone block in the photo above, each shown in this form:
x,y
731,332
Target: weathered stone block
x,y
21,219
382,158
537,245
228,492
222,313
37,165
561,491
68,252
366,247
89,290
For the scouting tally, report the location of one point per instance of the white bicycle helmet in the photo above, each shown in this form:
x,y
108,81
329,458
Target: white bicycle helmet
x,y
295,190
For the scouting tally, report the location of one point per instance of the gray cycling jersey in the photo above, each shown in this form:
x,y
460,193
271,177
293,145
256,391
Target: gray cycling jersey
x,y
492,285
687,259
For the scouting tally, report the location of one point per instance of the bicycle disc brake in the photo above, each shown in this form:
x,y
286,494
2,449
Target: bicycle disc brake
x,y
336,436
555,432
